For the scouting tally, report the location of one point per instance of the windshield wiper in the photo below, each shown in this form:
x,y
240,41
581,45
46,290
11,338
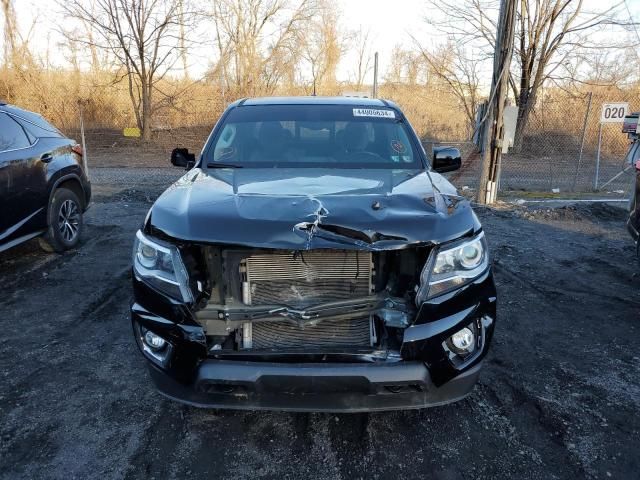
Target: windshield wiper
x,y
223,165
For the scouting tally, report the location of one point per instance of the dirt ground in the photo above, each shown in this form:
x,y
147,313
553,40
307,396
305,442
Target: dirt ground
x,y
558,398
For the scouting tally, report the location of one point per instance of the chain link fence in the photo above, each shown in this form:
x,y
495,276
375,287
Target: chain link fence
x,y
559,151
184,112
565,149
183,121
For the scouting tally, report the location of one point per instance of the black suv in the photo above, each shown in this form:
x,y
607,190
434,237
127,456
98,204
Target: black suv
x,y
43,186
313,260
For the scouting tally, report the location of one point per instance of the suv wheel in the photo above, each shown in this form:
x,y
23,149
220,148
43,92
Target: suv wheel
x,y
65,222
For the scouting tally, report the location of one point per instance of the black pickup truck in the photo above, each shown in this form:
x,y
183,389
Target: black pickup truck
x,y
313,259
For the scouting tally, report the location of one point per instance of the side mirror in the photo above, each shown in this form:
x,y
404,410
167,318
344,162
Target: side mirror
x,y
446,159
180,157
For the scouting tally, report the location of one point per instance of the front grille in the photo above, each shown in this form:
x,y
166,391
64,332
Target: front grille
x,y
301,279
327,333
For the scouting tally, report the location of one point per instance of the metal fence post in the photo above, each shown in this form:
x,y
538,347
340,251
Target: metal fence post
x,y
595,180
375,75
584,132
84,143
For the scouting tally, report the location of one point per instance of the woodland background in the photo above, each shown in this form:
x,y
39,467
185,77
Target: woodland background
x,y
130,63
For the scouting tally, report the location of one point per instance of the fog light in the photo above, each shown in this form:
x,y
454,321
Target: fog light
x,y
154,347
154,341
463,340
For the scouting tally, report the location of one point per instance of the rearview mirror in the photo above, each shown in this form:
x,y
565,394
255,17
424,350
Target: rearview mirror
x,y
446,159
180,157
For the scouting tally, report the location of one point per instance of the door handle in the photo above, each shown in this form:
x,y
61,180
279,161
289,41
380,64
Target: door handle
x,y
46,157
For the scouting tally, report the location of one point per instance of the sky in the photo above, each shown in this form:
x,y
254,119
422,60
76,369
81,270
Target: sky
x,y
387,21
390,23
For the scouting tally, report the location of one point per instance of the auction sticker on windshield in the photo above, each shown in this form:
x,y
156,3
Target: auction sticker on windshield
x,y
373,112
398,146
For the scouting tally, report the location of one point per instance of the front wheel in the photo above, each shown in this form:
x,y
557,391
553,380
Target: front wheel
x,y
65,222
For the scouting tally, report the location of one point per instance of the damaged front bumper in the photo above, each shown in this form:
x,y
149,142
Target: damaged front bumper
x,y
424,372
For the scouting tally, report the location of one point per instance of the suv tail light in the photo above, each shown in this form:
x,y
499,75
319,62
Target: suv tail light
x,y
77,149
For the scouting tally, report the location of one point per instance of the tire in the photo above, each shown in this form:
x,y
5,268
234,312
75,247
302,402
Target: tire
x,y
65,221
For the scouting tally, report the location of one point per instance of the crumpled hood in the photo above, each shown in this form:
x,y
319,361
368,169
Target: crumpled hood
x,y
304,209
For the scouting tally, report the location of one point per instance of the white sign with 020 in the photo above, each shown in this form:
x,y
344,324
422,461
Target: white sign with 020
x,y
613,112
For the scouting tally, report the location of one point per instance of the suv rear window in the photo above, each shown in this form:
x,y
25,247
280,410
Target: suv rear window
x,y
333,136
34,123
12,135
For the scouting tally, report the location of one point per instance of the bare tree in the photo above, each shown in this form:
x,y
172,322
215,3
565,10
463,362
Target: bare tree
x,y
182,40
600,68
258,41
322,45
456,67
549,33
407,67
10,31
144,37
80,37
16,52
362,49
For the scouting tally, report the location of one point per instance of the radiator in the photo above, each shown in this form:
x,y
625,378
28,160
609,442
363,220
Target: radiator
x,y
300,279
327,333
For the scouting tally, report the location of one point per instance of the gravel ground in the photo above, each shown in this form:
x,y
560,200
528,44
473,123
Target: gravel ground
x,y
559,396
124,177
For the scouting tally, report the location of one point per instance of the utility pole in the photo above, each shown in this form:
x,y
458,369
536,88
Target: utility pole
x,y
375,75
10,28
493,131
183,50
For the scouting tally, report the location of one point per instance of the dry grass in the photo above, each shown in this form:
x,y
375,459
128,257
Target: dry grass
x,y
185,112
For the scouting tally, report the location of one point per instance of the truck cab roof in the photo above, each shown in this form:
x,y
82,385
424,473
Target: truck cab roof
x,y
311,100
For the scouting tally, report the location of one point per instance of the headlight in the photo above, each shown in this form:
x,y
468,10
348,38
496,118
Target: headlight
x,y
161,266
453,266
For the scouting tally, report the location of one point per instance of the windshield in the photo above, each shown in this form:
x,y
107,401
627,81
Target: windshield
x,y
334,136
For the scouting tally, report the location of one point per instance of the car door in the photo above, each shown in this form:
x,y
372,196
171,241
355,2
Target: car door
x,y
22,182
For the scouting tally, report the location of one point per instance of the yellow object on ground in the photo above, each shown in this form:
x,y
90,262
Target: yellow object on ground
x,y
131,132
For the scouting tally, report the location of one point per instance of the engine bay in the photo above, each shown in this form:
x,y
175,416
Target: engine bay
x,y
260,301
